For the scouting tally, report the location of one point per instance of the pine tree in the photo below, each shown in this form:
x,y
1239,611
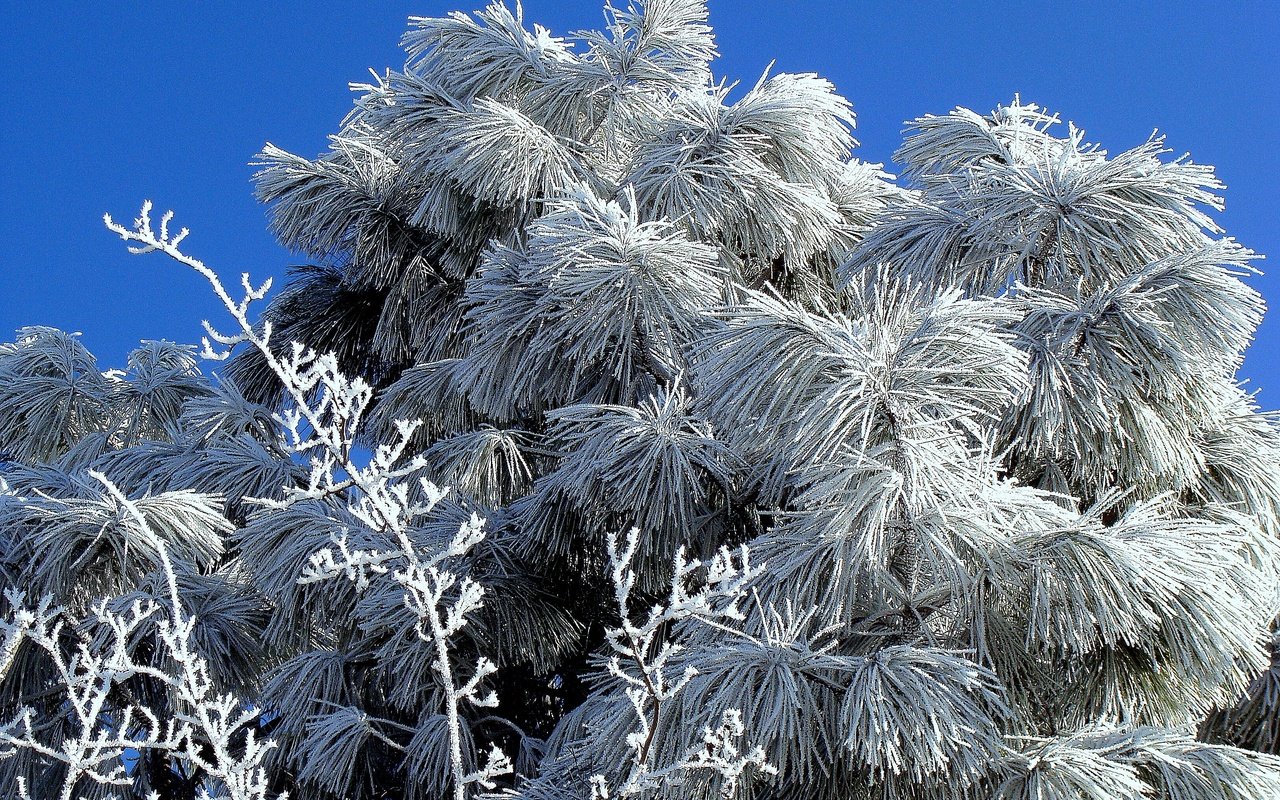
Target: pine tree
x,y
771,475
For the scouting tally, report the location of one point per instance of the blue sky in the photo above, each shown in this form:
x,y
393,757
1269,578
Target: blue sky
x,y
105,104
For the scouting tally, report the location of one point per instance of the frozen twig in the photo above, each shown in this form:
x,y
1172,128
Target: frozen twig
x,y
642,654
321,424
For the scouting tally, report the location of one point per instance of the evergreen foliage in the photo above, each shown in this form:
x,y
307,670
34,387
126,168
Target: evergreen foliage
x,y
771,476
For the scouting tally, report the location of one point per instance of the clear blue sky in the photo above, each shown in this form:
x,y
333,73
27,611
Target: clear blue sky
x,y
105,104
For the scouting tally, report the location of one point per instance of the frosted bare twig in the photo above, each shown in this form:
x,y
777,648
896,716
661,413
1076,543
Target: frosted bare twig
x,y
642,654
321,424
197,731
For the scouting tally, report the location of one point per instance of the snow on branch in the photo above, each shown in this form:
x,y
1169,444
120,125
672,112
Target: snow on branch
x,y
207,731
321,424
646,653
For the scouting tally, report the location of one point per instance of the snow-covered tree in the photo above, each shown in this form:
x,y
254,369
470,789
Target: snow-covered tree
x,y
770,475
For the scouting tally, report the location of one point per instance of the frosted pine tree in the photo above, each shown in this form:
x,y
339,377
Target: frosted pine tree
x,y
770,475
